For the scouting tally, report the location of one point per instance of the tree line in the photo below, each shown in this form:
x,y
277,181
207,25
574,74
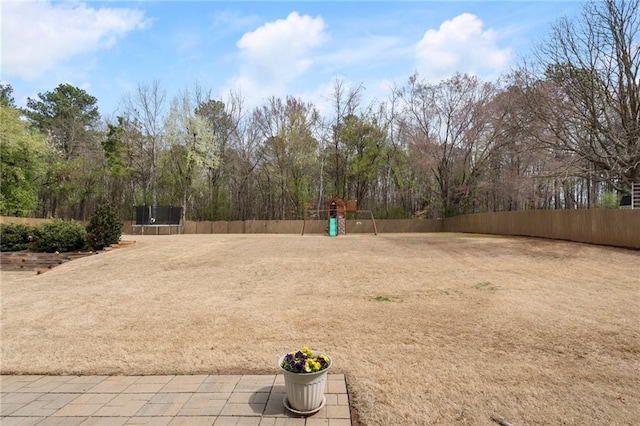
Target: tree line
x,y
561,131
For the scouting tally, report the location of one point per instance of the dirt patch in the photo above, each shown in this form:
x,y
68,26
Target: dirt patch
x,y
428,328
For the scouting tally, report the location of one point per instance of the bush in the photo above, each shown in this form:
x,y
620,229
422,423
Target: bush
x,y
61,236
15,236
104,228
610,200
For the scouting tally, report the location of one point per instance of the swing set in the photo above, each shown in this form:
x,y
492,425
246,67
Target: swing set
x,y
337,210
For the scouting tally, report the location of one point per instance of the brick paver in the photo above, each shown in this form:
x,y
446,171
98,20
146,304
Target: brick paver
x,y
174,400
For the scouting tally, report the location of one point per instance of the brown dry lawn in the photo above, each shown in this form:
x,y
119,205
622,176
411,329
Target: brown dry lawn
x,y
428,328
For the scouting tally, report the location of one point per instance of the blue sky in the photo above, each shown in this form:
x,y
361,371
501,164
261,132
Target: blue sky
x,y
265,48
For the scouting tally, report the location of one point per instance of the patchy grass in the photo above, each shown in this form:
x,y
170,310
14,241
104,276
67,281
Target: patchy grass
x,y
486,285
385,299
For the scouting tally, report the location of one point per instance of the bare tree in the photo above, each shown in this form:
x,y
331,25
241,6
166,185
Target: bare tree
x,y
345,102
146,108
586,90
532,170
289,154
242,158
455,127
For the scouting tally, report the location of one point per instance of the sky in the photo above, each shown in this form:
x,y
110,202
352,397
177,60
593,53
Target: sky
x,y
265,48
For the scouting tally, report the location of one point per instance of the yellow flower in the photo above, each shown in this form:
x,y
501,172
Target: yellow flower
x,y
311,366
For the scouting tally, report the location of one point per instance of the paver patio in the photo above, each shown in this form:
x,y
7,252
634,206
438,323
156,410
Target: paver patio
x,y
162,400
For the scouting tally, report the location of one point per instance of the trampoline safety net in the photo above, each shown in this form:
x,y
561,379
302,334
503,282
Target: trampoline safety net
x,y
158,215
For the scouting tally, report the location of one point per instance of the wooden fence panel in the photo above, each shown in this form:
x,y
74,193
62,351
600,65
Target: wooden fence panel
x,y
614,227
620,228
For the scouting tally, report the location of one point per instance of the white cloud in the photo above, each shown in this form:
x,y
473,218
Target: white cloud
x,y
460,45
39,36
277,53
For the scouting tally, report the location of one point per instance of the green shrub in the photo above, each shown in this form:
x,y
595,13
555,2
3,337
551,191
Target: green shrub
x,y
610,200
104,228
15,236
61,236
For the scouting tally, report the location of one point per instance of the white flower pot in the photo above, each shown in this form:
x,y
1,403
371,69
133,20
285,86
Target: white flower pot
x,y
305,391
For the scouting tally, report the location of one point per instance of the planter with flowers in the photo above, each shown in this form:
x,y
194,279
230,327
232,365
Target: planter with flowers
x,y
305,379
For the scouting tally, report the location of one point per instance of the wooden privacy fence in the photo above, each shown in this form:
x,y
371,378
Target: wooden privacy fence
x,y
620,228
364,226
